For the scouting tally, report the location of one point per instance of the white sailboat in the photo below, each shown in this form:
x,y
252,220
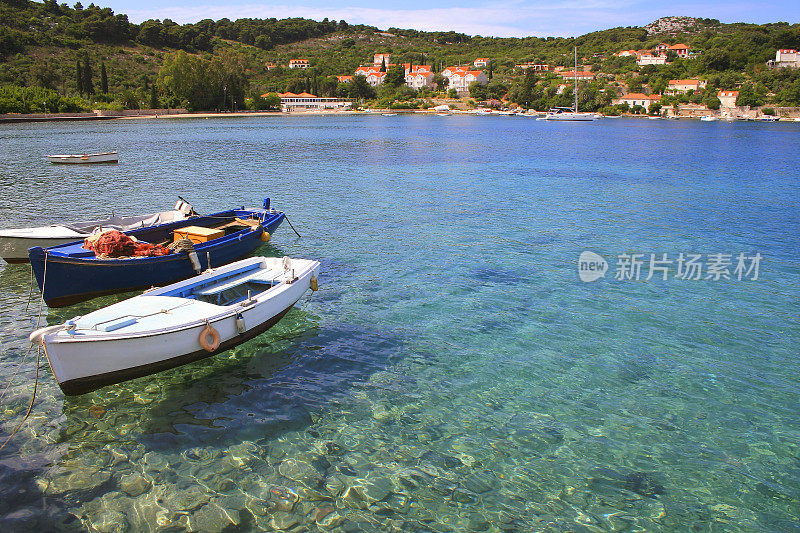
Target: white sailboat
x,y
567,113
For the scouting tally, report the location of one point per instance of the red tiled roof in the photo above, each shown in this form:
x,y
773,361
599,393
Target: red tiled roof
x,y
679,46
728,93
642,96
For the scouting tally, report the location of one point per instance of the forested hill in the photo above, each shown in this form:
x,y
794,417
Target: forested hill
x,y
80,51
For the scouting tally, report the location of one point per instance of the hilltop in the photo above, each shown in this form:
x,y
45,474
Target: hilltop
x,y
92,57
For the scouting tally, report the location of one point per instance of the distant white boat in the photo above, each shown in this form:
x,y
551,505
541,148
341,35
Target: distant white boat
x,y
482,111
654,118
769,118
388,114
443,114
174,325
77,159
708,119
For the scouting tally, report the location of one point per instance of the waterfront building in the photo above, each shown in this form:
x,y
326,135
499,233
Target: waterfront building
x,y
418,76
307,101
641,99
727,98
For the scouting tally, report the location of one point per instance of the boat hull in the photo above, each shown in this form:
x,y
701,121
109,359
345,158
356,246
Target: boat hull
x,y
82,365
572,117
15,249
66,279
82,159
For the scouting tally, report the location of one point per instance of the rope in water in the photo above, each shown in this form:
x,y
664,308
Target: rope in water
x,y
38,361
290,225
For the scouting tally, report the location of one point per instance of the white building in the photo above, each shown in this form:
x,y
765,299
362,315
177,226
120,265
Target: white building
x,y
680,49
378,59
419,76
633,99
786,58
375,78
684,86
299,63
727,98
650,59
306,101
481,62
459,78
581,75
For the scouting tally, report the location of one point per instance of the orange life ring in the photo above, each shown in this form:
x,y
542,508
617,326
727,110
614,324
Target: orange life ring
x,y
204,335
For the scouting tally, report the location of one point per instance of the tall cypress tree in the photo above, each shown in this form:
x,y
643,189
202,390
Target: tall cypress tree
x,y
79,77
103,79
153,97
490,69
87,77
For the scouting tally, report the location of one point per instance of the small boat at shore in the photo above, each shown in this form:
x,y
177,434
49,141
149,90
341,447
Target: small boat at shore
x,y
388,114
708,119
14,243
77,159
174,325
72,273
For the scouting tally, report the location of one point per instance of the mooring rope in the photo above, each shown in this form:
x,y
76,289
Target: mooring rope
x,y
290,225
30,288
30,406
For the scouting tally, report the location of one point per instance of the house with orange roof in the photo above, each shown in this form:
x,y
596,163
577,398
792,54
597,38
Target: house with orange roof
x,y
581,75
661,48
344,79
626,53
727,98
785,58
418,76
459,78
681,49
641,99
299,63
481,62
379,59
684,86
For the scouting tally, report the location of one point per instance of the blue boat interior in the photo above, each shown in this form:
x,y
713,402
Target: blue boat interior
x,y
233,287
163,234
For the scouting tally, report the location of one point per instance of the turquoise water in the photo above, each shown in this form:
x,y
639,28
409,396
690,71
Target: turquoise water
x,y
452,373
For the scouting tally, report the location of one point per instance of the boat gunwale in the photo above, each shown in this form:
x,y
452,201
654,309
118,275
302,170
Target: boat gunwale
x,y
227,311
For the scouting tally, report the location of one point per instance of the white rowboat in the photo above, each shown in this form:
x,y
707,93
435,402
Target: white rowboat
x,y
104,157
174,325
14,243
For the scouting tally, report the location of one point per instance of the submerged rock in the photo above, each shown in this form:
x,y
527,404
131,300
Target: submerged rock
x,y
374,489
283,521
300,471
134,484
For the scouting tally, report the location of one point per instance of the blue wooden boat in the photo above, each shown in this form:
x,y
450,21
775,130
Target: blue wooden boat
x,y
69,273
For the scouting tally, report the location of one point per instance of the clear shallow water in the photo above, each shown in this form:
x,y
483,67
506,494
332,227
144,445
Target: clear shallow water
x,y
453,373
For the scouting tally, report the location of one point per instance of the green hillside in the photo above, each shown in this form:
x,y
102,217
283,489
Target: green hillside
x,y
89,57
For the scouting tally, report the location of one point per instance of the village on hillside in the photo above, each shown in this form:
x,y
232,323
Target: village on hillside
x,y
678,98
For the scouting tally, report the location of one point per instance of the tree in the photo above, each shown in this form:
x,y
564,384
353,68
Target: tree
x,y
478,91
748,96
153,97
88,85
654,109
103,79
440,81
79,77
452,93
358,88
395,76
712,102
383,64
489,74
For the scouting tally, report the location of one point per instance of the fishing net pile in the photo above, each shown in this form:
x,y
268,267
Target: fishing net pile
x,y
113,244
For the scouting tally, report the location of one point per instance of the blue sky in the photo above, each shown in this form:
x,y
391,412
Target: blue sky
x,y
503,18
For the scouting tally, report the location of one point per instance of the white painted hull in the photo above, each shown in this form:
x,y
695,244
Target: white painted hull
x,y
14,249
574,117
14,243
77,159
89,359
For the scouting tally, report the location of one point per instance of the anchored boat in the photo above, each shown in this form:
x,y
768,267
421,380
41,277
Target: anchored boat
x,y
71,273
14,243
174,325
77,159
